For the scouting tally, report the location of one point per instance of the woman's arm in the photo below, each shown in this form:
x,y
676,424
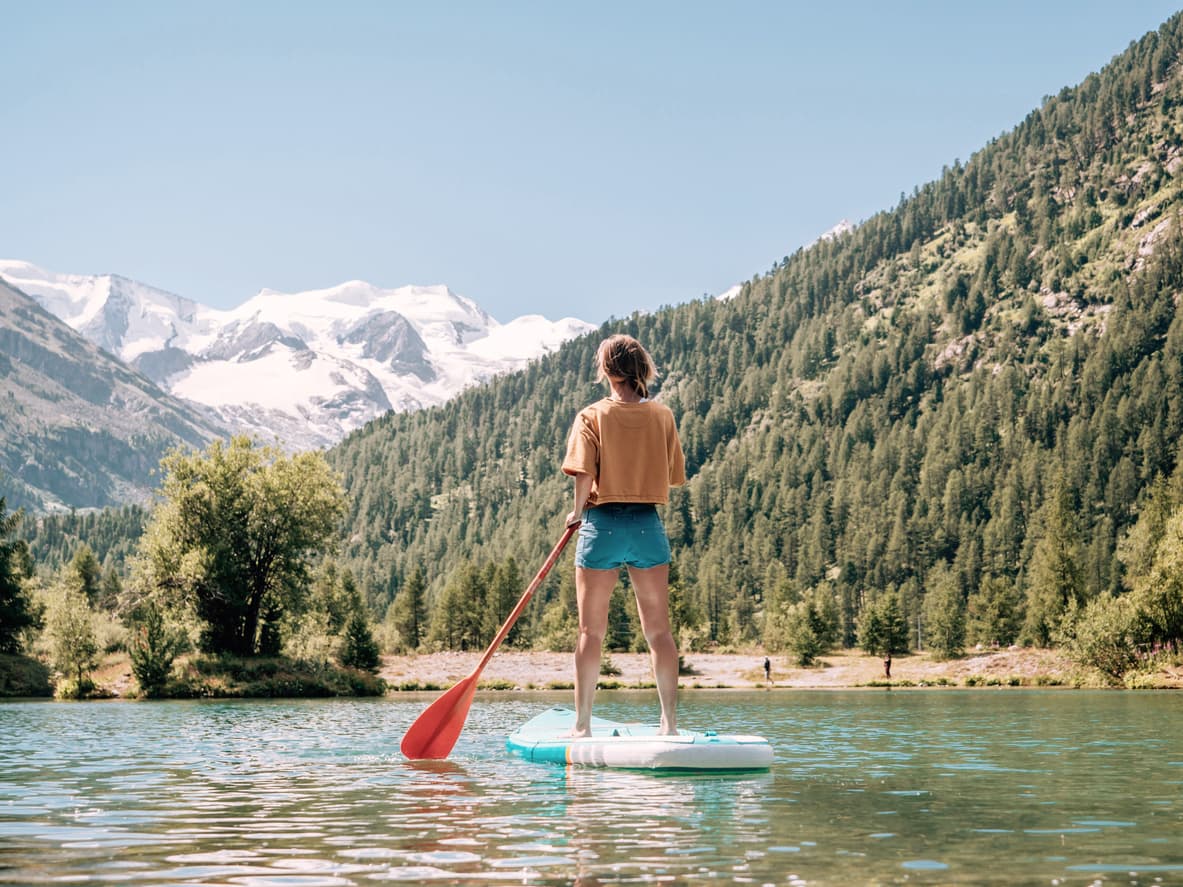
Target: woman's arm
x,y
583,485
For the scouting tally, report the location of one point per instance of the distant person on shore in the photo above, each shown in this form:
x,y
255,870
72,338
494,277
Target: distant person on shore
x,y
624,455
887,665
767,670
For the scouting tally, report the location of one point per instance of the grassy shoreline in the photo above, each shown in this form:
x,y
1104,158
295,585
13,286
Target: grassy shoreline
x,y
512,670
846,669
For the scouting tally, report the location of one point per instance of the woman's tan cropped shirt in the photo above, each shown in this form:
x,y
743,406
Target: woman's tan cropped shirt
x,y
631,450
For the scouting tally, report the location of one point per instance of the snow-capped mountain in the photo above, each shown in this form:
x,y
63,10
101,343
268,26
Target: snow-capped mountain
x,y
304,368
843,227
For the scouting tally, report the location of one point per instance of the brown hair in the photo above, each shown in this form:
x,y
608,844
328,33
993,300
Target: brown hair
x,y
623,357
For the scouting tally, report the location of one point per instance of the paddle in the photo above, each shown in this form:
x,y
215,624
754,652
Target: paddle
x,y
436,730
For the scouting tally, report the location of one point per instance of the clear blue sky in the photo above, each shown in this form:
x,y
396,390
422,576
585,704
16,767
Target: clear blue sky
x,y
556,158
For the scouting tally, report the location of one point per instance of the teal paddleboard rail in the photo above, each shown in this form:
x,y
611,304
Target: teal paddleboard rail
x,y
634,746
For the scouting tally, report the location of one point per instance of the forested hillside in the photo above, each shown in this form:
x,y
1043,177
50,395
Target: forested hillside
x,y
977,388
111,535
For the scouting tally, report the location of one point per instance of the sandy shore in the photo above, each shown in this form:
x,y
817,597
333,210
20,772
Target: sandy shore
x,y
533,670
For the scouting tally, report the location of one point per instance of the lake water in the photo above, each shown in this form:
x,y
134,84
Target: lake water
x,y
921,787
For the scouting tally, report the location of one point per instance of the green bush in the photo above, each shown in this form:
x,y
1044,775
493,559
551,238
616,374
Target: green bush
x,y
1105,635
23,676
415,686
270,677
1140,680
74,688
155,644
310,639
805,629
111,635
557,630
802,638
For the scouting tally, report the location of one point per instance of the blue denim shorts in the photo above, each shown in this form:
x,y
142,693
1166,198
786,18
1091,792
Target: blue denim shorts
x,y
622,534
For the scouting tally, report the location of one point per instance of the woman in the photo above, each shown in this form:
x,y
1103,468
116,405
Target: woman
x,y
624,455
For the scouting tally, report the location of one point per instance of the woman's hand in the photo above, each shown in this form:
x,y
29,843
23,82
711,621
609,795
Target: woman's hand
x,y
573,519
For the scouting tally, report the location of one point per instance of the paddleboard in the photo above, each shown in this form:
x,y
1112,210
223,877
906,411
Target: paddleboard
x,y
634,746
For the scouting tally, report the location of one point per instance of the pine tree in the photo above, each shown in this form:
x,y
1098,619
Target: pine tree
x,y
87,574
1159,594
620,635
110,588
154,645
994,613
359,649
1056,577
882,629
801,636
505,590
16,612
410,612
458,620
944,613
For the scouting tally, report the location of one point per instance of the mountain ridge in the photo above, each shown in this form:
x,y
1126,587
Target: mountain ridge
x,y
302,368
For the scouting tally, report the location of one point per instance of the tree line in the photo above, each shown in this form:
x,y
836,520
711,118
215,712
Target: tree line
x,y
234,560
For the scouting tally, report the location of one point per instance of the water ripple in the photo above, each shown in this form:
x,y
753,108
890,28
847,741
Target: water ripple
x,y
313,793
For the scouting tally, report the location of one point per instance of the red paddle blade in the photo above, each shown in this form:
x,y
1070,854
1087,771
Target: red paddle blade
x,y
435,732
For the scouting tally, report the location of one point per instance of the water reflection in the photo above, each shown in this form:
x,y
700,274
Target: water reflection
x,y
929,787
660,824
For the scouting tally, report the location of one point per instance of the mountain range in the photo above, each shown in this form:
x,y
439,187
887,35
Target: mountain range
x,y
303,369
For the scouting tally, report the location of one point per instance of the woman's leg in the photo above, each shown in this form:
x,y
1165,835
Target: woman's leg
x,y
593,590
653,604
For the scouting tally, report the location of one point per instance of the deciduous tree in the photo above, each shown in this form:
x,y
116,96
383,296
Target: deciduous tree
x,y
73,646
235,534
